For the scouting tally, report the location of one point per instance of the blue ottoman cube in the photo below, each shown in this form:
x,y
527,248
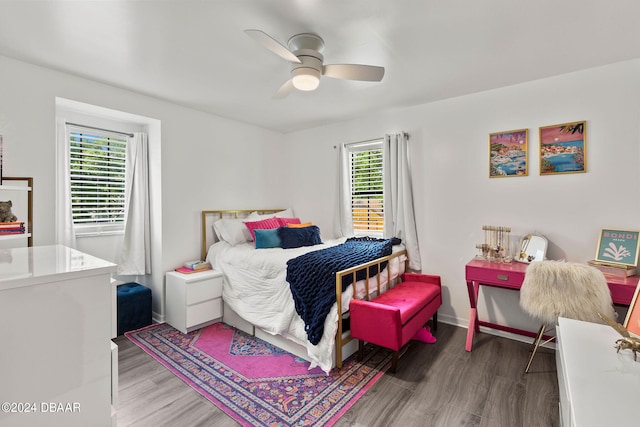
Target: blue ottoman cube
x,y
134,307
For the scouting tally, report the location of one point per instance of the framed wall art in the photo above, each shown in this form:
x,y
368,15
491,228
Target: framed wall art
x,y
618,246
563,148
508,153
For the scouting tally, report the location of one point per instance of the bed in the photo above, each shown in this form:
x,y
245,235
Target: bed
x,y
257,295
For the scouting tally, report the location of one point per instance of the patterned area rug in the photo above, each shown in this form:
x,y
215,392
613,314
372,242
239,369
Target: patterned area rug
x,y
256,383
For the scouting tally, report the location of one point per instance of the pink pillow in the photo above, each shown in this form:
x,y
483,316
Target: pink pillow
x,y
264,224
286,221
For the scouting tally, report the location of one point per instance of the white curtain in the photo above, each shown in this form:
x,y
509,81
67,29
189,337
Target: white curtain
x,y
399,215
65,234
135,257
344,220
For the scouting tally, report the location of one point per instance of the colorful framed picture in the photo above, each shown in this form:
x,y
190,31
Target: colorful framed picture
x,y
632,321
508,153
563,148
618,246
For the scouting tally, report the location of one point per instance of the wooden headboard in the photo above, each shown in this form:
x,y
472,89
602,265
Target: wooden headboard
x,y
211,216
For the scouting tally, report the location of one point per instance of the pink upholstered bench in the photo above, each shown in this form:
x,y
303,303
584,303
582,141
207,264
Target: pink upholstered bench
x,y
391,319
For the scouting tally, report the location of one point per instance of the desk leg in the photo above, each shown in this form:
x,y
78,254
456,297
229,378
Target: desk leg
x,y
473,288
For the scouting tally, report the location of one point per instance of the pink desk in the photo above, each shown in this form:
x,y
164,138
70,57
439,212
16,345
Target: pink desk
x,y
511,276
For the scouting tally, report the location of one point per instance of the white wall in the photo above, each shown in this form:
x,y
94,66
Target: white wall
x,y
208,162
454,196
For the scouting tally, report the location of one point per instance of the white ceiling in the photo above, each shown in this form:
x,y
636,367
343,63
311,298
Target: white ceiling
x,y
195,53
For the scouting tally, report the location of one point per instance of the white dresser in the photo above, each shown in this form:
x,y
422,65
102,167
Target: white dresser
x,y
55,330
193,300
598,387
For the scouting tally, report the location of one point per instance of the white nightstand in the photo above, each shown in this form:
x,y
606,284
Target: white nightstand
x,y
193,300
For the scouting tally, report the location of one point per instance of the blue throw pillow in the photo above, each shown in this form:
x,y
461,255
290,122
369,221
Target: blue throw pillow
x,y
267,238
298,237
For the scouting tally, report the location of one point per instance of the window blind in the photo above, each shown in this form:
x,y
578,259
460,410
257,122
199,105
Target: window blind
x,y
367,195
97,176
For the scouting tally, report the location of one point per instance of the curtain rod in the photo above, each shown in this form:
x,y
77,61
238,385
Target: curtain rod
x,y
130,135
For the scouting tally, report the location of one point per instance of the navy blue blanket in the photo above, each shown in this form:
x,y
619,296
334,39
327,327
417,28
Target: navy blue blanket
x,y
312,277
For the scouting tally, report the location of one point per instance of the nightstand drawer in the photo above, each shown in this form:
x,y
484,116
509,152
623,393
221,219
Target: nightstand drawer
x,y
203,290
204,312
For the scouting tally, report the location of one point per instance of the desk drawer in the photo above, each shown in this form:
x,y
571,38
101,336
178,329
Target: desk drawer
x,y
497,277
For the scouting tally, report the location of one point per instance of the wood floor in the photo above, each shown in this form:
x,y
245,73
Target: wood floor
x,y
436,385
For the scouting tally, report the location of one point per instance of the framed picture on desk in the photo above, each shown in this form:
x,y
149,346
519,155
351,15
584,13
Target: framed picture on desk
x,y
618,246
632,321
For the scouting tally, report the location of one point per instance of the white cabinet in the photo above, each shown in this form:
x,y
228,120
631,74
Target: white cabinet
x,y
55,329
193,300
597,386
20,192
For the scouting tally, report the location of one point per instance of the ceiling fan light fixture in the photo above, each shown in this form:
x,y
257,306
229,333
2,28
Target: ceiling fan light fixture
x,y
306,79
304,53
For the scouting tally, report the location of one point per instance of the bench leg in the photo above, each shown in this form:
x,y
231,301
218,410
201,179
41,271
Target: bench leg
x,y
394,361
360,349
435,321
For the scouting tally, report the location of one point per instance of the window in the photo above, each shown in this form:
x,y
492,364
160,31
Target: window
x,y
97,176
367,193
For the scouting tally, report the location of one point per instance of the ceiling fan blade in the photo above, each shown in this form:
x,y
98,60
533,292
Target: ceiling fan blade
x,y
369,73
284,90
273,45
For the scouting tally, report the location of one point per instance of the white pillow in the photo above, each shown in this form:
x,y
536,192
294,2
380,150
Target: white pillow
x,y
232,231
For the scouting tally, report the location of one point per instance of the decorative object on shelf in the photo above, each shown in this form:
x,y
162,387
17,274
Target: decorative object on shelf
x,y
5,212
627,342
496,246
18,192
618,246
508,153
533,247
563,148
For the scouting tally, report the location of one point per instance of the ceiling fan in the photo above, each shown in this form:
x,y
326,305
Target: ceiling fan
x,y
304,54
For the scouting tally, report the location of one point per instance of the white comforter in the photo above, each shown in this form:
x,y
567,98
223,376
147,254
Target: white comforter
x,y
256,288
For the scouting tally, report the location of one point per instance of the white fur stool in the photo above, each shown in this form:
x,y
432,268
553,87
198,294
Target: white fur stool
x,y
553,289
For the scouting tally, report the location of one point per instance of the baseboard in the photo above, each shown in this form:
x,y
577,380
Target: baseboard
x,y
157,317
452,320
464,323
